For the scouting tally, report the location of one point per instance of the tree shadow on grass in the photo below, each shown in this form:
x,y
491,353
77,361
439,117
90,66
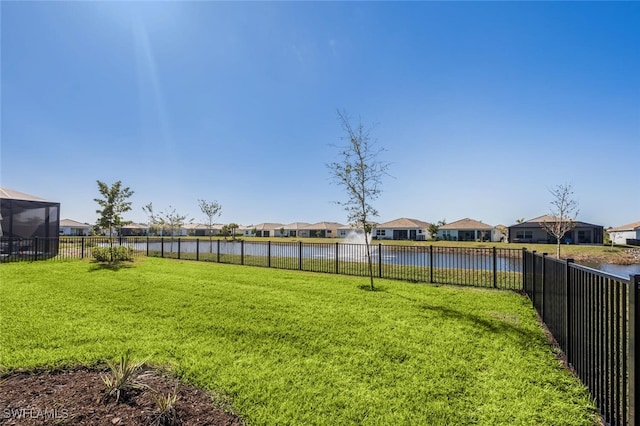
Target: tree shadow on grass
x,y
501,326
115,266
367,287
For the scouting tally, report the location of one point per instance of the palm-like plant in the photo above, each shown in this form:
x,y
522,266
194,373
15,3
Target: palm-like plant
x,y
122,377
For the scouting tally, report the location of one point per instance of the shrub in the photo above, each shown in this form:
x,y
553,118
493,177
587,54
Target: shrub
x,y
115,254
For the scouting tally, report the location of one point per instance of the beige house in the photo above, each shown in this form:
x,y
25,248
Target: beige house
x,y
321,230
466,230
293,229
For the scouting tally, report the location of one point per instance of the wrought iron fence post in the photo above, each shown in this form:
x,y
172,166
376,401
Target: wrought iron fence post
x,y
544,278
634,350
495,268
379,260
300,255
431,264
524,269
178,247
162,247
218,251
242,252
269,253
533,278
82,248
147,246
36,244
337,256
197,249
567,309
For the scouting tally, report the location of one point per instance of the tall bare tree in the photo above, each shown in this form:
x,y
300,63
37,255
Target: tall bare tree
x,y
211,209
151,218
564,211
359,171
113,205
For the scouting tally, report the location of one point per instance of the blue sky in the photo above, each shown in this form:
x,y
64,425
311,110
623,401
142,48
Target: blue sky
x,y
481,106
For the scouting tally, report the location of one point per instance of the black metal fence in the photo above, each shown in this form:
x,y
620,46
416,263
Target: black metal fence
x,y
30,249
481,267
490,267
594,318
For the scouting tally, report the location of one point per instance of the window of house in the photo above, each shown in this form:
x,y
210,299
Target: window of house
x,y
524,235
381,232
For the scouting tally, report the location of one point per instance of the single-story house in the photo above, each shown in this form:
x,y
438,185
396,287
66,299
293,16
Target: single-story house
x,y
134,230
625,234
293,229
321,230
264,230
466,230
533,231
72,228
402,229
204,230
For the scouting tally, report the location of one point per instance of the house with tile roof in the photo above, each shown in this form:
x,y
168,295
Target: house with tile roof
x,y
466,230
625,234
533,231
293,229
321,230
402,229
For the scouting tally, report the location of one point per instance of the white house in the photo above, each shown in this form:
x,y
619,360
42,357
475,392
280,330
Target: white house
x,y
620,234
402,229
72,228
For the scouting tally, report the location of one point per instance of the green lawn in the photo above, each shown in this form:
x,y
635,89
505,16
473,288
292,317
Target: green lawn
x,y
290,347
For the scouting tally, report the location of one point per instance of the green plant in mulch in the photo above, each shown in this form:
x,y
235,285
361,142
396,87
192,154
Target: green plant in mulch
x,y
167,415
122,376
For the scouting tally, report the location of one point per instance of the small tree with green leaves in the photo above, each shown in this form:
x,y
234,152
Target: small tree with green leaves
x,y
282,231
233,227
360,173
113,204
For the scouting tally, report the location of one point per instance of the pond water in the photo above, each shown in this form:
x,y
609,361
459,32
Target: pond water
x,y
481,259
619,270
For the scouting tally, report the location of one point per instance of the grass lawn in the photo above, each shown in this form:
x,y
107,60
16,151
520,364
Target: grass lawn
x,y
290,347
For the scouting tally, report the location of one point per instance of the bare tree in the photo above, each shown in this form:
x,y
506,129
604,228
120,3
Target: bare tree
x,y
564,210
360,173
172,220
210,209
613,235
151,218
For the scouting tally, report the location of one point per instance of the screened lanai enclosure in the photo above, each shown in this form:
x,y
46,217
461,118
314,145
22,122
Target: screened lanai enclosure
x,y
29,225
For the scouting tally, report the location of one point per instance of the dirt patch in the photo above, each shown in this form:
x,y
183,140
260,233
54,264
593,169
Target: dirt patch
x,y
77,397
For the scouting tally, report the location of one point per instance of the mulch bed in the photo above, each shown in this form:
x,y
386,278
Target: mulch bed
x,y
78,397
